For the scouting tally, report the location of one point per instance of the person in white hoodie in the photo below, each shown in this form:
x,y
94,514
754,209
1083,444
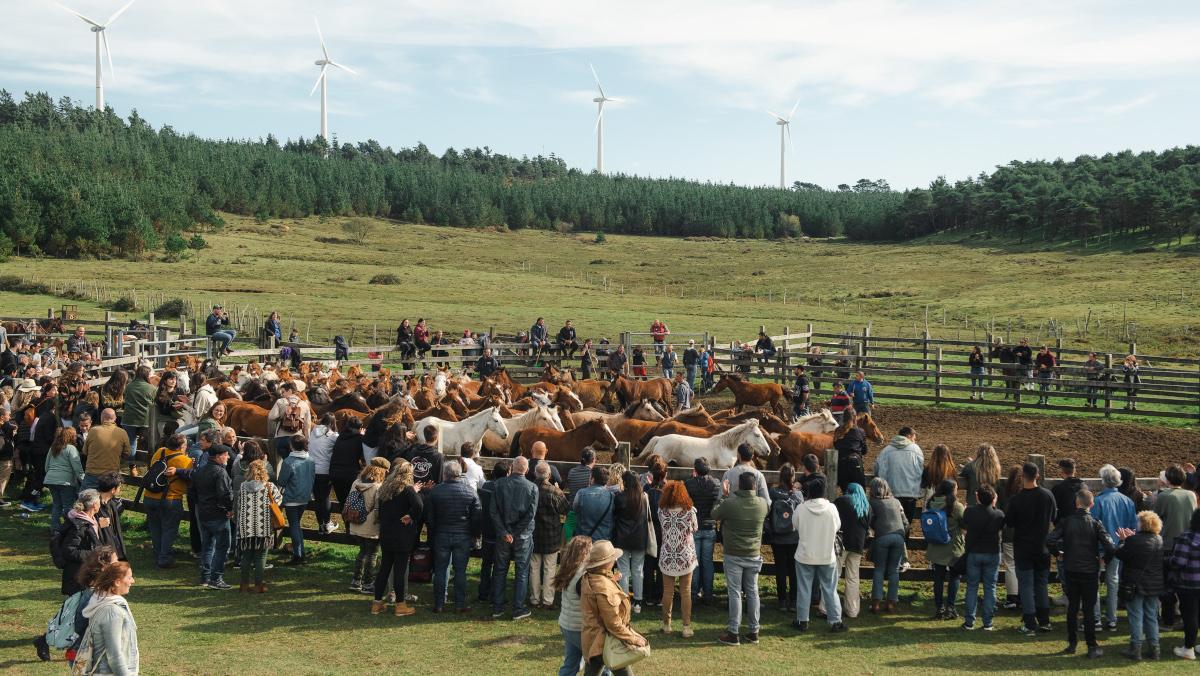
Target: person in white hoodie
x,y
320,449
110,643
204,397
817,523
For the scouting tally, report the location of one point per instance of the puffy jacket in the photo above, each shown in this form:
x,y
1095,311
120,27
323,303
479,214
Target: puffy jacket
x,y
1080,539
214,492
705,492
394,534
452,508
296,478
514,506
346,460
901,464
1064,496
1141,557
370,528
80,538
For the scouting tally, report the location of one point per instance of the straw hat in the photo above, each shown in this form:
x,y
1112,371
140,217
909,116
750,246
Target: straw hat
x,y
29,385
603,554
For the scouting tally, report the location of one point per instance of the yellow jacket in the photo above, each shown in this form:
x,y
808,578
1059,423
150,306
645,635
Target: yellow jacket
x,y
178,486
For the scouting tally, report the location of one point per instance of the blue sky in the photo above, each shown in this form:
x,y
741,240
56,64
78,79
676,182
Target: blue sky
x,y
904,91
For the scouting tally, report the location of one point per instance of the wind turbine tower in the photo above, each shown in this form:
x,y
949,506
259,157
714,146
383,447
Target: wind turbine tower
x,y
785,139
101,40
600,101
323,81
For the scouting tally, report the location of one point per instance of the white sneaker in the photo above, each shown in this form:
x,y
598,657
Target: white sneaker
x,y
1185,653
330,527
904,566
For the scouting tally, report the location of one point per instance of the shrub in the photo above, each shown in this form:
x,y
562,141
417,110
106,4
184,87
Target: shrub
x,y
600,238
386,279
359,229
197,242
125,304
172,308
175,244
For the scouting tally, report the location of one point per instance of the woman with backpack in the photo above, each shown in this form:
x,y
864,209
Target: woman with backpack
x,y
984,469
890,525
321,440
79,536
631,531
1141,557
364,525
66,628
785,497
110,643
944,545
64,472
854,510
398,511
939,468
570,618
677,552
255,530
346,459
296,477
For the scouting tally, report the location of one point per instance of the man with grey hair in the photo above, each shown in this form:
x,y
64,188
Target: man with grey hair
x,y
105,448
1115,511
452,514
513,509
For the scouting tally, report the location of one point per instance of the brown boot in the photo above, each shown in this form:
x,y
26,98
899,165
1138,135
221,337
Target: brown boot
x,y
876,606
376,607
245,588
403,609
891,606
261,588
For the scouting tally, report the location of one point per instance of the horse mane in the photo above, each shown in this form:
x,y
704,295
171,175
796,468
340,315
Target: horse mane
x,y
631,409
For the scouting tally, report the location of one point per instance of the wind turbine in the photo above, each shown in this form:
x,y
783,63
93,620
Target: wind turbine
x,y
101,36
323,81
600,101
785,128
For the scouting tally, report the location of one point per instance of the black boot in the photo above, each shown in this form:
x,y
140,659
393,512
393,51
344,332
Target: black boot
x,y
1133,652
43,648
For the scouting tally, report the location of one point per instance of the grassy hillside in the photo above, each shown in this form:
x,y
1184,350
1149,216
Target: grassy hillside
x,y
460,278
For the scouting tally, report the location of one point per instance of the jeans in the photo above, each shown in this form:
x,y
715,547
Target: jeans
x,y
294,512
981,567
134,431
364,564
691,376
826,576
702,581
886,555
1081,591
1112,578
741,580
977,380
223,337
572,652
668,373
62,500
943,576
1143,619
253,560
1044,380
631,565
785,575
214,538
451,549
162,520
89,481
541,578
1035,599
518,552
487,563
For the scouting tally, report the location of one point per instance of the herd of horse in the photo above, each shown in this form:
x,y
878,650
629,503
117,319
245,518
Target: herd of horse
x,y
503,417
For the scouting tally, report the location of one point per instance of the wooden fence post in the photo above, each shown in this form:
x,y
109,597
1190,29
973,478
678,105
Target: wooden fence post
x,y
925,354
1058,362
1108,361
623,453
987,355
182,325
866,337
831,470
1040,461
937,377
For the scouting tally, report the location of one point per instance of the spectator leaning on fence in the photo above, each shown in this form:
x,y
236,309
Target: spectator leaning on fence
x,y
1116,512
741,513
817,523
984,524
745,465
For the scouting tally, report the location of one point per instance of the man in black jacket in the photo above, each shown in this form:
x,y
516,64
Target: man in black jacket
x,y
111,508
1030,513
1064,492
488,560
565,340
1081,542
214,506
41,437
452,511
705,492
487,364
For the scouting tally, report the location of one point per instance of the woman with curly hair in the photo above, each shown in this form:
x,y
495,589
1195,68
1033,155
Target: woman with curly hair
x,y
399,513
255,531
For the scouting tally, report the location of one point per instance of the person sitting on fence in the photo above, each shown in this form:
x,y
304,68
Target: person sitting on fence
x,y
539,339
78,344
486,365
468,344
420,335
404,340
565,341
215,328
658,335
341,351
800,393
1045,373
815,367
765,349
272,329
439,338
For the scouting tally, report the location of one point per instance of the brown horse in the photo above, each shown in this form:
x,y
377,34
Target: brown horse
x,y
565,445
696,416
443,411
752,394
767,421
631,430
796,445
626,390
590,392
248,419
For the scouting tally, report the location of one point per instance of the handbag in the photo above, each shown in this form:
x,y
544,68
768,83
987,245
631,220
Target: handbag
x,y
618,654
278,520
652,537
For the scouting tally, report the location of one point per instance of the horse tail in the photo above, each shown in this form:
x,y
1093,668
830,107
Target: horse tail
x,y
514,448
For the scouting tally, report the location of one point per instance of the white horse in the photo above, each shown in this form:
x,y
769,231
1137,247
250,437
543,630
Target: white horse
x,y
817,423
720,450
539,416
466,431
642,410
439,383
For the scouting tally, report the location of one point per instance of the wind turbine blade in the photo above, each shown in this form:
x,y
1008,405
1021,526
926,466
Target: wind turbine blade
x,y
597,78
789,117
599,116
791,146
107,52
79,15
319,77
321,38
119,13
777,116
348,69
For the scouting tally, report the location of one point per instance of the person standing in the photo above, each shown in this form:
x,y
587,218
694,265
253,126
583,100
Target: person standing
x,y
255,531
745,465
978,368
1093,370
321,440
605,609
1030,514
80,535
704,491
1116,512
567,582
138,398
677,552
901,464
683,392
781,532
296,479
862,393
1045,365
289,416
944,556
817,524
109,516
105,448
514,507
366,534
1081,541
1141,559
1183,568
984,524
594,506
487,563
214,494
616,361
631,530
658,336
537,458
487,364
452,512
691,361
580,475
552,506
1175,506
840,402
669,359
800,393
890,524
472,472
112,633
984,469
1131,372
399,515
854,512
1024,356
345,460
63,474
164,506
587,360
741,515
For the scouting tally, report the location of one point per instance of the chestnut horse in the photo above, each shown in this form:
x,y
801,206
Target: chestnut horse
x,y
565,445
627,390
752,394
796,445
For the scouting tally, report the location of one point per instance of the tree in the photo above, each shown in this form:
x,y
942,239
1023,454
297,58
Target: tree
x,y
359,229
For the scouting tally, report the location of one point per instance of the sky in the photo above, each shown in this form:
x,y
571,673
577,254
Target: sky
x,y
903,91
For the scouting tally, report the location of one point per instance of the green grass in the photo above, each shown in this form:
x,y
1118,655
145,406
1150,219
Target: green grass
x,y
462,278
308,623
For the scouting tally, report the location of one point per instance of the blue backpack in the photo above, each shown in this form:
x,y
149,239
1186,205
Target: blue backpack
x,y
935,527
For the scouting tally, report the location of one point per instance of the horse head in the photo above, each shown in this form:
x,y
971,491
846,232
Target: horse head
x,y
568,399
643,409
540,398
599,430
867,423
754,437
495,423
549,416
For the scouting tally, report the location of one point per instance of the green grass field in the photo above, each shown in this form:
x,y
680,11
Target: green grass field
x,y
461,278
308,623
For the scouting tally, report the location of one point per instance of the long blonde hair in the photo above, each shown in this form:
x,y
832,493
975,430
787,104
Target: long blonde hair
x,y
573,557
615,471
397,480
257,471
987,465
